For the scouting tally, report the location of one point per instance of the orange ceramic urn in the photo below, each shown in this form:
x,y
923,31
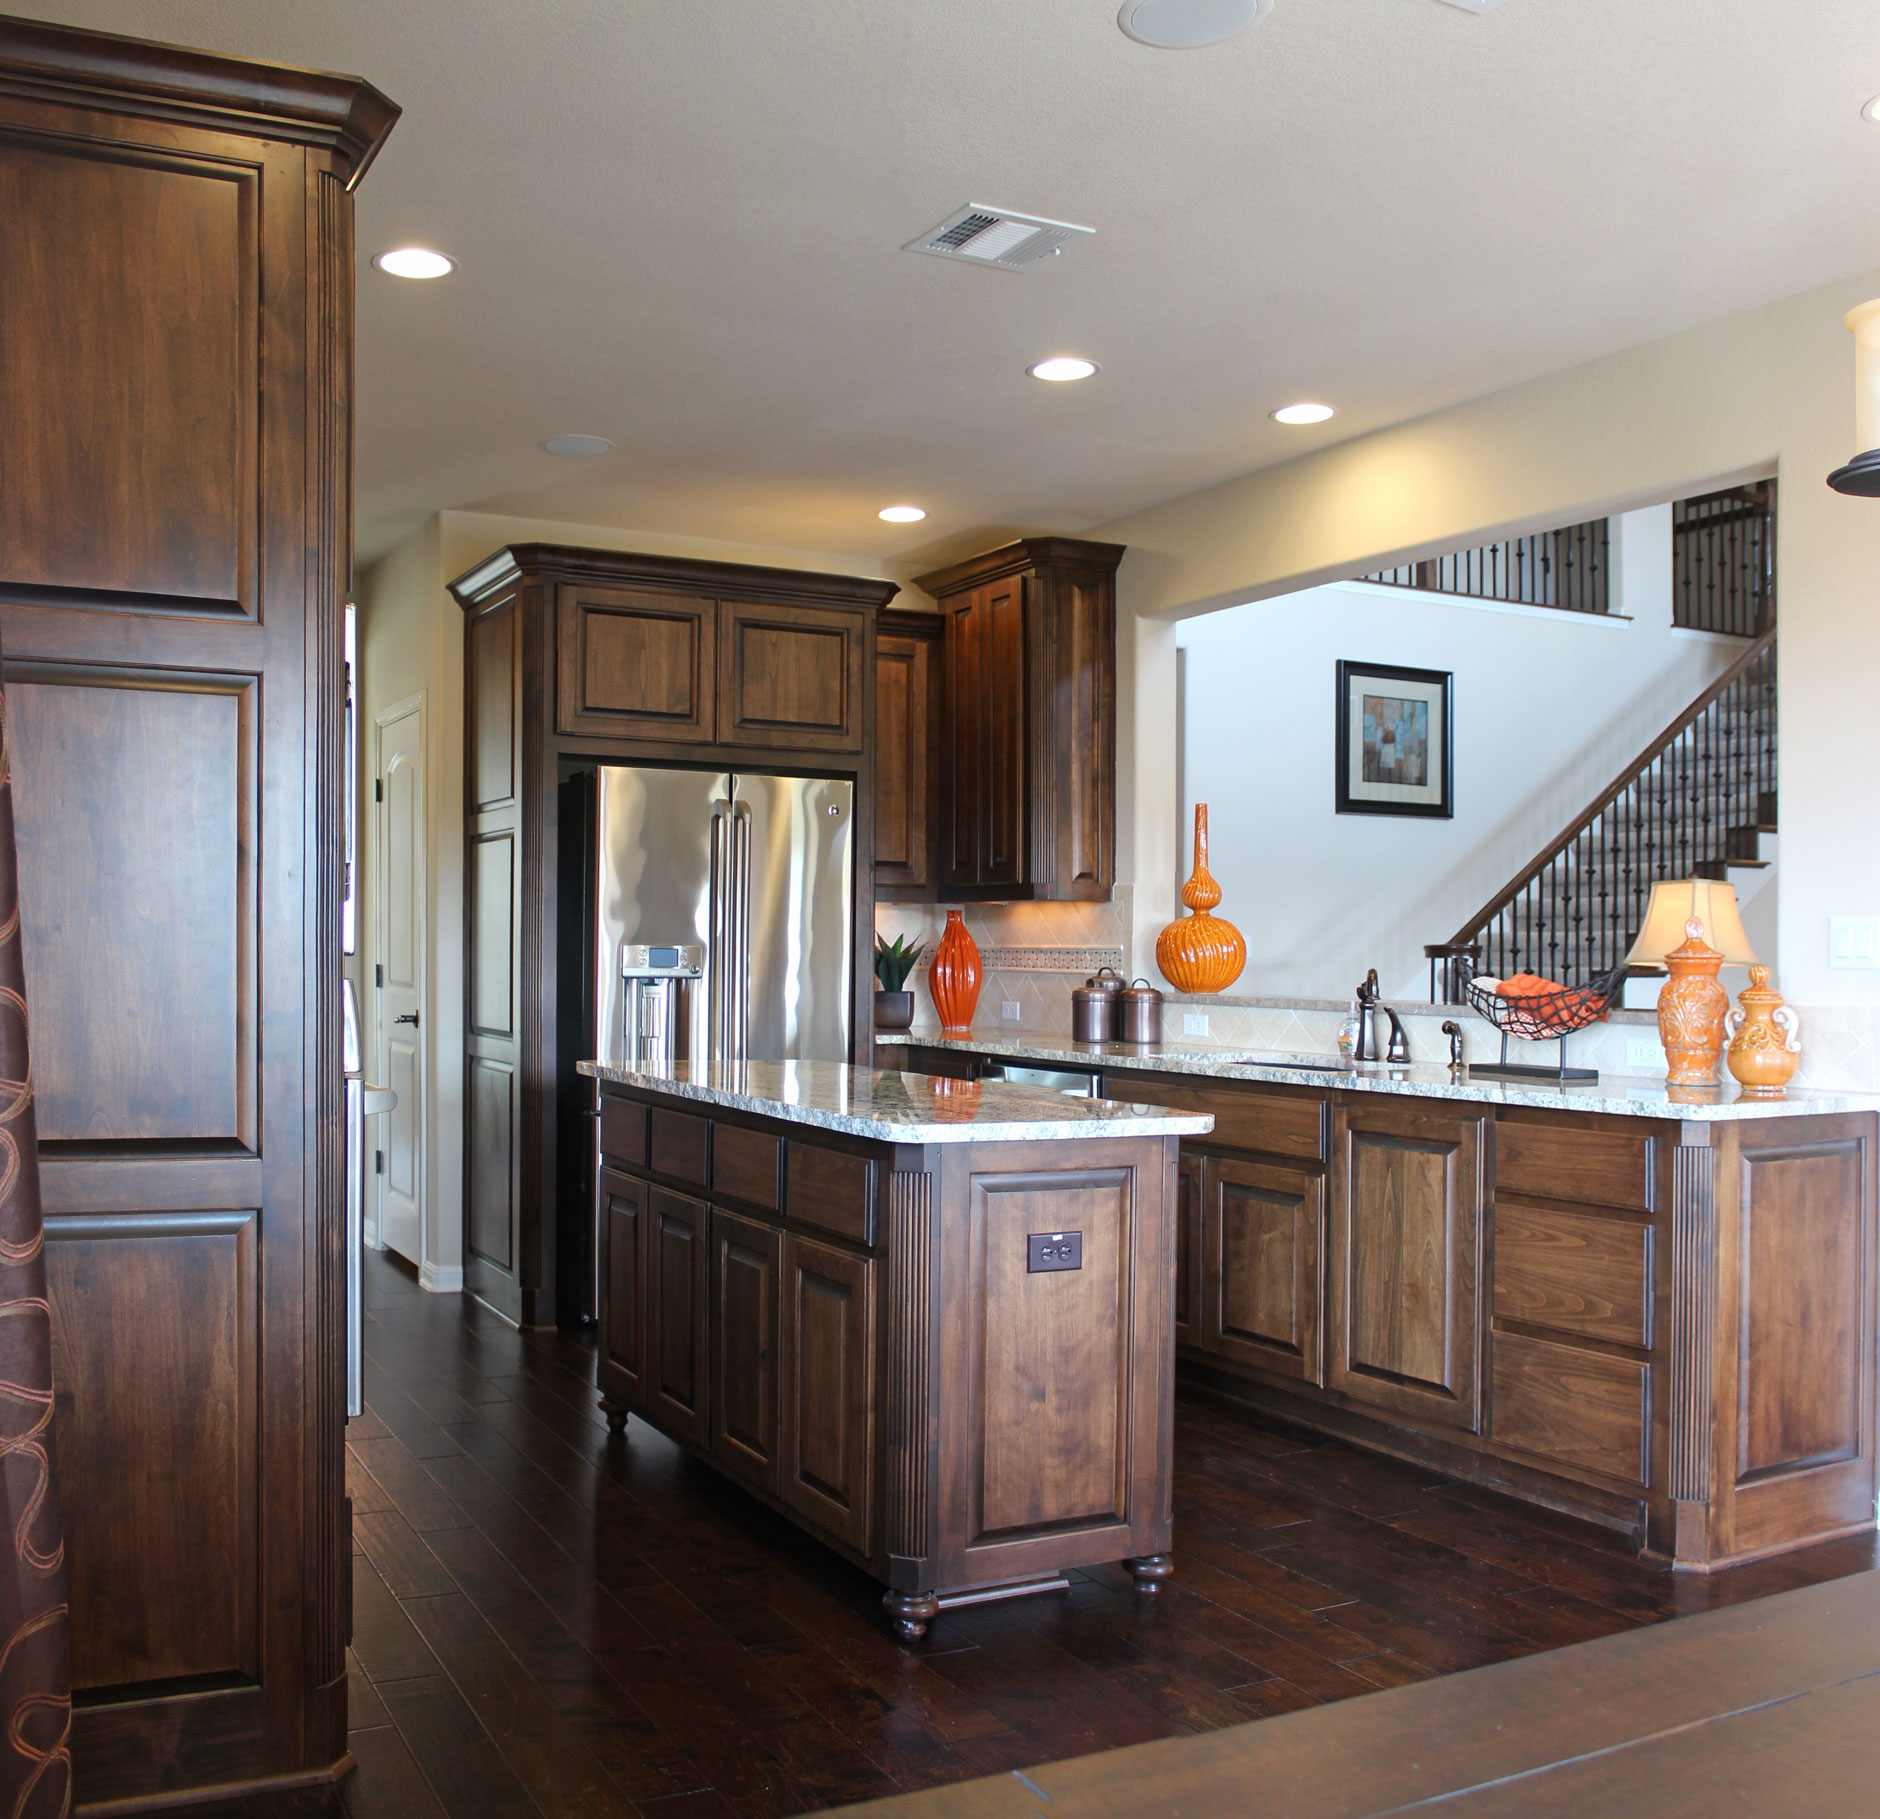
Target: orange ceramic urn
x,y
1200,952
1765,1047
1691,1009
954,976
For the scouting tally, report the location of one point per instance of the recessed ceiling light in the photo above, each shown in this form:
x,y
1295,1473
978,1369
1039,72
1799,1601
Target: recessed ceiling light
x,y
1871,112
1185,25
1062,367
577,445
415,262
1303,413
901,514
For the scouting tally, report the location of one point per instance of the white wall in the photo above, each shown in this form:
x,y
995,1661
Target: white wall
x,y
1549,706
411,640
1766,390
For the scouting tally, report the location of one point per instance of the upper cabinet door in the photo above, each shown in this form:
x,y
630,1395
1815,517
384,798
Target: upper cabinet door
x,y
963,741
635,664
907,722
1407,1262
1002,733
791,677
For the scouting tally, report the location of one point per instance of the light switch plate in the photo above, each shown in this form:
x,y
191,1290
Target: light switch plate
x,y
1854,943
1010,1010
1194,1023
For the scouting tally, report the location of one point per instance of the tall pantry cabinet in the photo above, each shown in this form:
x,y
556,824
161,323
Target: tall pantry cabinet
x,y
176,310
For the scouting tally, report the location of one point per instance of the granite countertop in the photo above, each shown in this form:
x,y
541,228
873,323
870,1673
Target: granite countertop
x,y
1614,1094
901,1108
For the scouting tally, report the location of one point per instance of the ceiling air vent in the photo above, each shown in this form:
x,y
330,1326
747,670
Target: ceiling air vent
x,y
996,236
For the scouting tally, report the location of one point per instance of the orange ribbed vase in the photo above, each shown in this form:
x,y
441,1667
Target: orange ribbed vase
x,y
954,976
1201,953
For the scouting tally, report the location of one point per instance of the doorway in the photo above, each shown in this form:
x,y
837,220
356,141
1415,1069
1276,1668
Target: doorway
x,y
398,978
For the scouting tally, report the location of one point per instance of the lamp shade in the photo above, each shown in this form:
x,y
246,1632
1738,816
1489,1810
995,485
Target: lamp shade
x,y
1861,476
1673,904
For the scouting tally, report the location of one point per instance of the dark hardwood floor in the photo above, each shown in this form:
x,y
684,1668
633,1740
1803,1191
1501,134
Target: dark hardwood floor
x,y
549,1624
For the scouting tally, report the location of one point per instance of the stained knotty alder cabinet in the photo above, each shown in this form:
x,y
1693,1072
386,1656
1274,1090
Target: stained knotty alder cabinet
x,y
574,658
175,493
1028,722
1665,1326
856,1331
908,719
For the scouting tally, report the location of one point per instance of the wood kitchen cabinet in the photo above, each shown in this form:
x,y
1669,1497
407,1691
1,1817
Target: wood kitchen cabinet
x,y
747,1257
1028,742
1406,1255
908,717
678,1299
575,658
621,1226
1263,1239
828,1335
1190,1192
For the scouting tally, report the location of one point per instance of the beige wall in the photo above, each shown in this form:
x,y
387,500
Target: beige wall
x,y
1769,390
411,640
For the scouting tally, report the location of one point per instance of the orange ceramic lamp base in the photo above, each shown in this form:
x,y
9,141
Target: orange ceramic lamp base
x,y
1691,1010
1201,953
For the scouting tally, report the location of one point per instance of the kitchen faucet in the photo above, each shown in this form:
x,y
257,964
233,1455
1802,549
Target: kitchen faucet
x,y
1370,1001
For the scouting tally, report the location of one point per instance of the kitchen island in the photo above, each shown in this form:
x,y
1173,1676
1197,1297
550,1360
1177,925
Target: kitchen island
x,y
928,1320
1650,1307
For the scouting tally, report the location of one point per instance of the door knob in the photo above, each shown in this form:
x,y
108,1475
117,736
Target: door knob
x,y
410,1017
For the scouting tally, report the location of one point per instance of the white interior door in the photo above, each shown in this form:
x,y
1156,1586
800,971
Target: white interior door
x,y
399,978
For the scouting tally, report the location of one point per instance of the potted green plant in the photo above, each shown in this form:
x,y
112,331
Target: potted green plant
x,y
894,1003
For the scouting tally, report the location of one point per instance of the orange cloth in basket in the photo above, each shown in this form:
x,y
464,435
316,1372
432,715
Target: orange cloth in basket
x,y
1526,987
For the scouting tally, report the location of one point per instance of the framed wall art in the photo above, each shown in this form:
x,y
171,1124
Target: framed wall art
x,y
1396,747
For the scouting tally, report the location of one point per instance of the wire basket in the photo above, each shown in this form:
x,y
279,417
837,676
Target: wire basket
x,y
1543,1017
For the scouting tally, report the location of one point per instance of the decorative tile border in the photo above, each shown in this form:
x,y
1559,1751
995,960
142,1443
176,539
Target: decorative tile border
x,y
1085,960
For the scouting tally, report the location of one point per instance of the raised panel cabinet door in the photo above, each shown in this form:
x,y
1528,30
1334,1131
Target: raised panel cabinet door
x,y
1263,1239
1190,1190
828,1327
678,1302
746,1257
790,676
1406,1263
965,652
635,664
621,1209
907,723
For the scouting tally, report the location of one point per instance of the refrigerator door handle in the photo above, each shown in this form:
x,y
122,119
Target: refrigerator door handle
x,y
717,954
740,981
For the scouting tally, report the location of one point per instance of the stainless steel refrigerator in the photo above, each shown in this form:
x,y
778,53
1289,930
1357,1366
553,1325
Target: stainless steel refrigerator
x,y
754,874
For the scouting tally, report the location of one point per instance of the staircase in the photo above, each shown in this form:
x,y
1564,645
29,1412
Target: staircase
x,y
1695,803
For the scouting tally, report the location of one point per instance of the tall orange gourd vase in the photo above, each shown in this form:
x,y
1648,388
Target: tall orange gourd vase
x,y
1201,953
954,976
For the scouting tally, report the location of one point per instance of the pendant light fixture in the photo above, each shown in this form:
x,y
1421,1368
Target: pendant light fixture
x,y
1861,476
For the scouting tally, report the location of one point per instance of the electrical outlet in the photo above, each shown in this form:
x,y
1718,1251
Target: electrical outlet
x,y
1194,1023
1643,1051
1010,1010
1854,943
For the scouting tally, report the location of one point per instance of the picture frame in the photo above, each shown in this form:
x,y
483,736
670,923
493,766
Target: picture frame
x,y
1395,747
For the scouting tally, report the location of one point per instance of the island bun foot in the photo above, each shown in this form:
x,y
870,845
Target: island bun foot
x,y
1149,1570
616,1413
912,1612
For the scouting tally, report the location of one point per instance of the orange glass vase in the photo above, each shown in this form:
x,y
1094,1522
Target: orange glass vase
x,y
1201,953
954,976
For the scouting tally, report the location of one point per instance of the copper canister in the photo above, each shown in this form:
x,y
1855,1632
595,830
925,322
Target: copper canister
x,y
1093,1014
1139,1013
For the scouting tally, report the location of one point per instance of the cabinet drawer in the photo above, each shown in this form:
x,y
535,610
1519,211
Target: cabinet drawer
x,y
831,1189
1577,1272
1584,1410
623,1131
790,675
1267,1123
1571,1162
680,1146
745,1165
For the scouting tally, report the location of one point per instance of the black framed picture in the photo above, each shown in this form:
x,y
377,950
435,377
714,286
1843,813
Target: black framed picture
x,y
1396,747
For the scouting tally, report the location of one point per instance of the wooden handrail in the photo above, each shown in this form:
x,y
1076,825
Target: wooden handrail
x,y
1630,775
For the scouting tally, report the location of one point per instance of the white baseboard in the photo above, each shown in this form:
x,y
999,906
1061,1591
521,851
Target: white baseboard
x,y
441,1280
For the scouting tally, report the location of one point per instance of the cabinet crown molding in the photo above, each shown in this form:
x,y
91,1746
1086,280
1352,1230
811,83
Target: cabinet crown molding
x,y
345,114
683,574
1015,558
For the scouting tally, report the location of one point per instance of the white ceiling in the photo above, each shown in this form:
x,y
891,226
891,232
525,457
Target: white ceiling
x,y
679,227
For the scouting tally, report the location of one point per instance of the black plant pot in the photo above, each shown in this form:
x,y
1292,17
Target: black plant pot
x,y
894,1010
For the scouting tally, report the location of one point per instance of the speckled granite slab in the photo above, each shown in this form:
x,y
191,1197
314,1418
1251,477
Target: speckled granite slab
x,y
902,1108
1615,1095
